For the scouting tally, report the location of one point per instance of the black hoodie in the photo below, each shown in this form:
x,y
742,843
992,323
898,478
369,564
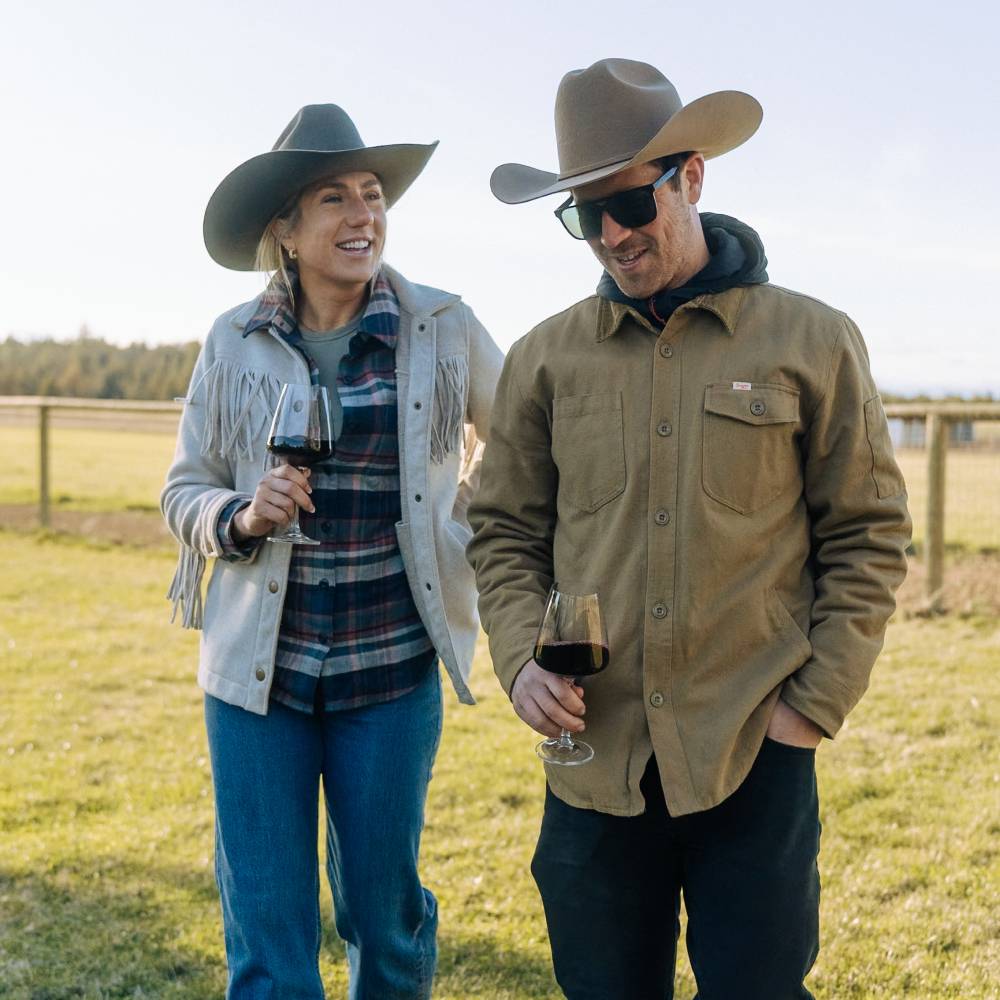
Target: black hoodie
x,y
737,258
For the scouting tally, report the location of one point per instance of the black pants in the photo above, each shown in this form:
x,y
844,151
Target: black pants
x,y
611,887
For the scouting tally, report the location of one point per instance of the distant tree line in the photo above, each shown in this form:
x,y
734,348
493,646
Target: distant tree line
x,y
90,367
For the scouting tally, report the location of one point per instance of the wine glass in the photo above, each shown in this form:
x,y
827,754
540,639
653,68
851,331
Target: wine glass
x,y
300,435
573,642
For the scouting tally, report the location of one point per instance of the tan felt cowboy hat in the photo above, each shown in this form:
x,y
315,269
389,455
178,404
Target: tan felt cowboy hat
x,y
320,140
619,113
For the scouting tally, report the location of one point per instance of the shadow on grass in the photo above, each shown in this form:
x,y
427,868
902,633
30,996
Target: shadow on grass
x,y
480,966
126,930
109,933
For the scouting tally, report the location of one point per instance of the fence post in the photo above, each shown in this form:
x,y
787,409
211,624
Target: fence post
x,y
43,465
937,449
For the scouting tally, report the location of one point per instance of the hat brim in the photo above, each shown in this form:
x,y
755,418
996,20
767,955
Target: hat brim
x,y
711,125
250,196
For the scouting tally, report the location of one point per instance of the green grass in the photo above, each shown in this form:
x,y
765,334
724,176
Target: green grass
x,y
89,469
106,886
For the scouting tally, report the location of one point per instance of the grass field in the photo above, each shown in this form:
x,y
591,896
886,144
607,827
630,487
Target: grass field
x,y
106,886
89,469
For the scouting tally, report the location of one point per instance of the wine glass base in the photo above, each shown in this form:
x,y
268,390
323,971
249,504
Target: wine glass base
x,y
556,751
293,538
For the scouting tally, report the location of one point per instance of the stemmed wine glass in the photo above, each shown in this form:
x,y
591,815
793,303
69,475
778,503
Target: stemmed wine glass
x,y
300,435
573,642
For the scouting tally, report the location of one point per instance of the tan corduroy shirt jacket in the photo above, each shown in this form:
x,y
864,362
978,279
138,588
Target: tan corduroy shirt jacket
x,y
728,486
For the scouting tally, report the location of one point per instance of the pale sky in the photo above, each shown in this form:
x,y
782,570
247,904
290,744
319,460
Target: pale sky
x,y
872,182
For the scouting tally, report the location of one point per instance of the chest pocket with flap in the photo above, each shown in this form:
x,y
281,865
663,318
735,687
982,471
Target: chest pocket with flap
x,y
588,447
749,452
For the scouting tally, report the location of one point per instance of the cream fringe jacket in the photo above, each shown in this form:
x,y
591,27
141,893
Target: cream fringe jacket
x,y
446,368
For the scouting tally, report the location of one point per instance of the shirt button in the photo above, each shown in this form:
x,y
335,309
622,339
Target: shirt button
x,y
666,350
273,586
664,429
417,405
661,516
428,586
656,699
260,673
418,498
659,611
758,407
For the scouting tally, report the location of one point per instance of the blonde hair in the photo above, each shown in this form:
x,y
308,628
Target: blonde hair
x,y
271,255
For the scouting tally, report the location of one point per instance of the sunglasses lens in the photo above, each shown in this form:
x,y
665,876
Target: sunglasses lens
x,y
633,208
589,215
570,218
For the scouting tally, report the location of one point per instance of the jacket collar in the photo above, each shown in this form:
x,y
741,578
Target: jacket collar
x,y
414,299
417,300
725,306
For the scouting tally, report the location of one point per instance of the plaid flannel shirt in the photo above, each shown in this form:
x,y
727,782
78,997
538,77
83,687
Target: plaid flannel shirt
x,y
350,632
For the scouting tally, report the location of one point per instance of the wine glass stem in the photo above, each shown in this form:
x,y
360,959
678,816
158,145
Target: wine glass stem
x,y
293,525
565,740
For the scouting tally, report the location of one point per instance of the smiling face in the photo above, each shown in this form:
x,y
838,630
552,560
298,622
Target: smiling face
x,y
666,252
339,234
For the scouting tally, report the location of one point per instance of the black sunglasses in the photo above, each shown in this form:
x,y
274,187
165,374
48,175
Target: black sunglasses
x,y
631,209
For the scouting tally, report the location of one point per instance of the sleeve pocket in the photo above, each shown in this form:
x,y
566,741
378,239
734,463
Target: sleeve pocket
x,y
888,479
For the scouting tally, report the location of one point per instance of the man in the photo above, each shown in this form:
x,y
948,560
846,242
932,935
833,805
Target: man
x,y
709,452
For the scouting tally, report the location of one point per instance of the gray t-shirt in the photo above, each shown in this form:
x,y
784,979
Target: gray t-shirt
x,y
326,349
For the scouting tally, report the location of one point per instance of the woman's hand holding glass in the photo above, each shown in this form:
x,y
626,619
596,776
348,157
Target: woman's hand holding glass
x,y
280,493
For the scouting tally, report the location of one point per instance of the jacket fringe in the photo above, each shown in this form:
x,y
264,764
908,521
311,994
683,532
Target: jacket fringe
x,y
185,588
233,425
451,387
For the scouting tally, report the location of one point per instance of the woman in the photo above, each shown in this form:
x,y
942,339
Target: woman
x,y
319,662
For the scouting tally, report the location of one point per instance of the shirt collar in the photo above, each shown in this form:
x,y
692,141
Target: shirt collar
x,y
379,320
725,306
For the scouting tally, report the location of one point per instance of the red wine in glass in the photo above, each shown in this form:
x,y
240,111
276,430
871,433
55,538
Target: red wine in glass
x,y
572,642
301,435
572,659
298,451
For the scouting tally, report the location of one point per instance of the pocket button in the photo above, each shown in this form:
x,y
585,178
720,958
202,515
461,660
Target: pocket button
x,y
758,407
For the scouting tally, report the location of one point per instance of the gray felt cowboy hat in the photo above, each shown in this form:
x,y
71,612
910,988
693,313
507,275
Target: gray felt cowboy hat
x,y
320,140
619,113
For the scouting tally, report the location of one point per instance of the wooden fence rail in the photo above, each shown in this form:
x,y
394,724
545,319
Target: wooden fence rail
x,y
936,417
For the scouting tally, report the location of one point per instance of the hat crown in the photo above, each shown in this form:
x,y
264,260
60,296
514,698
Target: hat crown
x,y
324,128
608,112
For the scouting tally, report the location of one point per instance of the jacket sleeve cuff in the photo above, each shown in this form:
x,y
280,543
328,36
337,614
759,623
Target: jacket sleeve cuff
x,y
229,549
826,708
510,656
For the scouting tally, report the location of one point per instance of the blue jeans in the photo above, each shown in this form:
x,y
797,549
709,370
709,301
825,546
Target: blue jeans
x,y
375,764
